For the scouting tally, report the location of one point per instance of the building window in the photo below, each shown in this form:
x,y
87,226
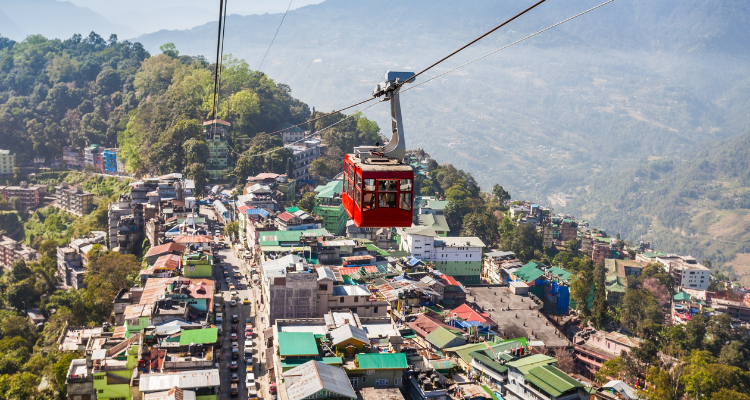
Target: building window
x,y
341,299
322,287
397,381
354,382
356,299
381,382
370,372
375,310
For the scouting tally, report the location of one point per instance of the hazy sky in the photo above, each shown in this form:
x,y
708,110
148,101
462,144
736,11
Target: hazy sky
x,y
146,16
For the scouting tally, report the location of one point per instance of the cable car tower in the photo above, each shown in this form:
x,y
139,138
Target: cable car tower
x,y
378,189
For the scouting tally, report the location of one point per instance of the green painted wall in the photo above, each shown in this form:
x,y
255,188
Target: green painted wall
x,y
104,391
334,218
461,270
197,271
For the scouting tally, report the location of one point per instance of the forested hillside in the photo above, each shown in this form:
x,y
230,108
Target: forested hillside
x,y
697,203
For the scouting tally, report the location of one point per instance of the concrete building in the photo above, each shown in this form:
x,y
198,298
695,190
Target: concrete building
x,y
328,206
686,271
11,251
215,133
316,380
110,160
73,199
126,224
593,348
537,377
303,155
72,259
418,241
435,207
258,196
7,162
436,221
72,157
297,221
30,195
377,370
355,298
292,134
288,288
459,257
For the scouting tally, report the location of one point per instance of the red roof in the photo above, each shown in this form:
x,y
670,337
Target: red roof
x,y
448,280
348,270
242,209
371,269
285,216
218,121
424,325
188,239
467,313
165,248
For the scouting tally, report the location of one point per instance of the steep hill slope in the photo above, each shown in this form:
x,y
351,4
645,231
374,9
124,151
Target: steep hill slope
x,y
630,79
697,203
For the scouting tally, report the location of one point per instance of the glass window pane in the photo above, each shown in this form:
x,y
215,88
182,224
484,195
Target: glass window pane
x,y
387,200
350,191
356,181
356,196
405,201
368,201
406,185
369,185
388,186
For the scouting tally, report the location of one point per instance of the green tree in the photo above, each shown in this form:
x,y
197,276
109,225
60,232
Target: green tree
x,y
169,50
105,277
307,201
196,172
15,202
232,229
580,290
599,309
482,225
500,193
698,379
195,150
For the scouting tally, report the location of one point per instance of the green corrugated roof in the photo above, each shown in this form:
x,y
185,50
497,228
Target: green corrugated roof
x,y
527,363
465,351
295,362
563,274
329,190
551,380
381,361
682,296
442,364
199,336
529,272
486,358
437,222
376,249
297,344
292,209
437,205
442,337
521,340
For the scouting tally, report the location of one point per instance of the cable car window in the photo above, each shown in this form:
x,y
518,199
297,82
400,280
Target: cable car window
x,y
356,196
387,200
368,201
357,182
346,183
388,186
405,201
369,185
406,185
350,191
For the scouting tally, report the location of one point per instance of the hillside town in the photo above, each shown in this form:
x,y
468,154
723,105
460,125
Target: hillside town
x,y
245,293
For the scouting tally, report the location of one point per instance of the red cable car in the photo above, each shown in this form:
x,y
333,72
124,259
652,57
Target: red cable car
x,y
378,189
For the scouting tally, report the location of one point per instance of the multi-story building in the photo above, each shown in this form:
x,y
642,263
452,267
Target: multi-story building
x,y
418,241
593,348
7,162
328,206
89,154
537,377
73,199
73,259
126,224
601,250
72,157
292,134
355,298
303,155
297,221
459,257
686,270
30,195
215,133
11,251
110,160
288,288
258,196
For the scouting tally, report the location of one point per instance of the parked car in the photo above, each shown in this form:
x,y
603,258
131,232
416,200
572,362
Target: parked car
x,y
233,365
233,336
234,378
233,303
235,318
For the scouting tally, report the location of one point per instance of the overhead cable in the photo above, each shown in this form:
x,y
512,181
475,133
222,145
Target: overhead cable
x,y
216,67
274,35
506,46
477,39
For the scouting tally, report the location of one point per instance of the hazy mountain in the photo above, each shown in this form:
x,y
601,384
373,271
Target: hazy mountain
x,y
633,79
54,19
148,16
697,203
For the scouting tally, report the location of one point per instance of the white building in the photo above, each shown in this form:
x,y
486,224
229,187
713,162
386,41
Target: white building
x,y
418,241
303,155
686,271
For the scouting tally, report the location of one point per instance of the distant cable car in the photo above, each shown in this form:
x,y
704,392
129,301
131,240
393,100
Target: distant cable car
x,y
378,189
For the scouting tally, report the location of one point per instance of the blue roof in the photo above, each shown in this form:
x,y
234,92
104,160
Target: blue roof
x,y
257,211
414,261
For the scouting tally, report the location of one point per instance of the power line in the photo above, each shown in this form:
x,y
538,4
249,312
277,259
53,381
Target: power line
x,y
305,137
274,35
322,116
478,39
216,68
506,46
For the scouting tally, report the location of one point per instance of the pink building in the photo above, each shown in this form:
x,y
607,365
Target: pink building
x,y
593,348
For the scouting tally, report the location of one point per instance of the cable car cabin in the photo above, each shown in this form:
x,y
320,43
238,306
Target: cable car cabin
x,y
378,192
